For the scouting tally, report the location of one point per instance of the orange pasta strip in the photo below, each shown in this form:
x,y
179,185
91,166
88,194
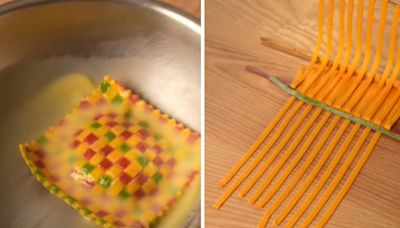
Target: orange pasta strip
x,y
365,133
371,96
325,197
226,195
258,158
299,173
321,182
328,77
276,169
299,78
389,102
312,77
275,153
344,147
392,43
336,180
357,95
275,205
360,13
369,112
298,139
279,164
314,171
320,32
257,143
346,90
345,80
349,46
286,172
393,115
331,209
338,82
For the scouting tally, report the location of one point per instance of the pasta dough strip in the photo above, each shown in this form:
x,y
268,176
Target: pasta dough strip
x,y
236,184
357,95
293,146
258,158
275,121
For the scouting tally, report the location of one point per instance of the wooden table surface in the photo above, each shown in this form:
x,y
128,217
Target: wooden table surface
x,y
239,105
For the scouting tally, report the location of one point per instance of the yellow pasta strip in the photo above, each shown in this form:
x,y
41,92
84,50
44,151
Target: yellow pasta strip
x,y
342,193
280,163
324,177
257,143
336,180
272,174
275,153
314,172
258,158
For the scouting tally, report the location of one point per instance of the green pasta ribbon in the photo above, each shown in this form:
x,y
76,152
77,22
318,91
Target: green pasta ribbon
x,y
333,110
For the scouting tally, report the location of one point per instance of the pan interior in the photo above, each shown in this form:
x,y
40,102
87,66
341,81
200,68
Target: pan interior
x,y
153,52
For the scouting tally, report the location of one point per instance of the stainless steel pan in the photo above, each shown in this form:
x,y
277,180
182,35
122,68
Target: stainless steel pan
x,y
153,49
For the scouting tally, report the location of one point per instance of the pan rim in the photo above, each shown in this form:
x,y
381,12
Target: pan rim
x,y
169,11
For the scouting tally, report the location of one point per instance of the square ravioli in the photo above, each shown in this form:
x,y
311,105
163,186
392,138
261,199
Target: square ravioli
x,y
116,159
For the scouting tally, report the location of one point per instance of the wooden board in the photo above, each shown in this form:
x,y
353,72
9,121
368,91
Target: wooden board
x,y
192,7
239,105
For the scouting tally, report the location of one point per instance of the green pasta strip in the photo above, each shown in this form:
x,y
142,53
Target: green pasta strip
x,y
333,110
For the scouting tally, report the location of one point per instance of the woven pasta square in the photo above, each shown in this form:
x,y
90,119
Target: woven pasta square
x,y
116,159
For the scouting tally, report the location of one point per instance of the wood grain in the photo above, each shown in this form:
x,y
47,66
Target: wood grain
x,y
239,105
192,7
